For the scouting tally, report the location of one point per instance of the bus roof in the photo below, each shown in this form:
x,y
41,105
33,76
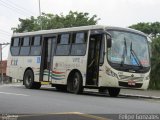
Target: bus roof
x,y
90,27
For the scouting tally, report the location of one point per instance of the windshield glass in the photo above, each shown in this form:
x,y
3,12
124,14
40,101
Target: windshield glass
x,y
128,49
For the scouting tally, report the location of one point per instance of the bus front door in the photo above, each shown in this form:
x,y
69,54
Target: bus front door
x,y
93,59
48,52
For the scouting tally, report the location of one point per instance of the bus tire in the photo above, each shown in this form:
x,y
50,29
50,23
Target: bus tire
x,y
75,83
29,80
113,92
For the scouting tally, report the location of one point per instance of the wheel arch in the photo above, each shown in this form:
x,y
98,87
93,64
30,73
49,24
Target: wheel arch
x,y
71,73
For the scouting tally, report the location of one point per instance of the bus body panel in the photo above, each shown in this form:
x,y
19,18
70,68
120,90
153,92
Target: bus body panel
x,y
19,66
63,65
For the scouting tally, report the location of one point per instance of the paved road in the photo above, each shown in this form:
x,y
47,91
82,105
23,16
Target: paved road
x,y
16,99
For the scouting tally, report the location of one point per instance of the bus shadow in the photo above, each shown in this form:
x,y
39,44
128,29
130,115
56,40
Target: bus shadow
x,y
87,93
91,93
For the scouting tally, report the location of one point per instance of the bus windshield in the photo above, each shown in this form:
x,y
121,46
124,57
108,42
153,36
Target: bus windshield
x,y
128,49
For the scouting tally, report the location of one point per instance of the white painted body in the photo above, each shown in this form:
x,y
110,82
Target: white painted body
x,y
17,65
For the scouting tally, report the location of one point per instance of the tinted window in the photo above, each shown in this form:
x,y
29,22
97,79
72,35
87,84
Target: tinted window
x,y
64,39
15,46
62,49
80,38
36,46
24,50
26,41
35,50
63,45
15,42
79,49
36,40
15,50
79,43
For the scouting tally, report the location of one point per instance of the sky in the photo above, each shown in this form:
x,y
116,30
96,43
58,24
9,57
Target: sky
x,y
120,13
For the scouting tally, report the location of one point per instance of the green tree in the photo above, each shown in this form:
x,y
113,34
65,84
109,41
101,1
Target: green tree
x,y
152,29
155,63
51,21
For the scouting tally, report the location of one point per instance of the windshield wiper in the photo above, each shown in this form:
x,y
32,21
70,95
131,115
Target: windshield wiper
x,y
124,52
135,57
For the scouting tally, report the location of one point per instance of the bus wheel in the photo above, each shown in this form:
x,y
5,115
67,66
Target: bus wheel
x,y
75,83
102,90
29,80
113,92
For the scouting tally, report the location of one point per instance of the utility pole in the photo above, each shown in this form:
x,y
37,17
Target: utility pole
x,y
2,60
40,13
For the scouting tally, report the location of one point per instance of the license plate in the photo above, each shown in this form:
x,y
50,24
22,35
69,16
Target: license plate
x,y
131,83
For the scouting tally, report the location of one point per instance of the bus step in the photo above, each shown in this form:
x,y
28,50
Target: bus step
x,y
45,83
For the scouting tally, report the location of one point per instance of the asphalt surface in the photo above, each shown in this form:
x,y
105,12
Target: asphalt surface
x,y
16,99
146,93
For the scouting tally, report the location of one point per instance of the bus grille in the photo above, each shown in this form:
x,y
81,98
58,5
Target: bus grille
x,y
126,78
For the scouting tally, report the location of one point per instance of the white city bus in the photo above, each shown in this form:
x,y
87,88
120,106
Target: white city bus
x,y
106,58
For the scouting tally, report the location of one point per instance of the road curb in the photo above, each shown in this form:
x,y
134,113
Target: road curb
x,y
140,96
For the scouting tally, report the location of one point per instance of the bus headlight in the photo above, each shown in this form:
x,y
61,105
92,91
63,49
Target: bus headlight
x,y
111,73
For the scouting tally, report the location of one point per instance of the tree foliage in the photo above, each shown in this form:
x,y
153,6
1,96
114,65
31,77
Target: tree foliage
x,y
51,21
152,29
155,63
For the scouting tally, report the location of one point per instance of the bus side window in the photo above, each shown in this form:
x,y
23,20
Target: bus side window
x,y
79,43
25,46
63,44
36,46
15,46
